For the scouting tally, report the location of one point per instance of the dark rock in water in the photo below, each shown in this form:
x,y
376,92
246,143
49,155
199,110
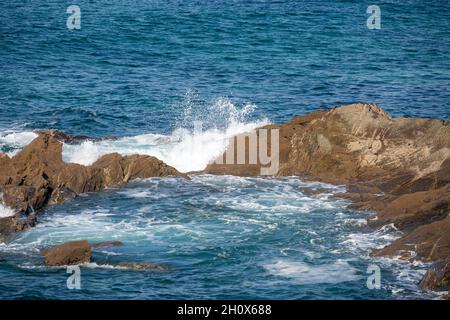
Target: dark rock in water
x,y
141,266
38,176
107,244
438,277
70,253
10,225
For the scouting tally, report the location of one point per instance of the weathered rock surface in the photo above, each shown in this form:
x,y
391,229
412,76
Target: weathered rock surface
x,y
70,253
38,176
9,225
438,277
140,266
397,167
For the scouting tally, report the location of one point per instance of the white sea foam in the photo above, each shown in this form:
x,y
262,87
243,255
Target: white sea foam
x,y
16,140
185,149
304,273
4,210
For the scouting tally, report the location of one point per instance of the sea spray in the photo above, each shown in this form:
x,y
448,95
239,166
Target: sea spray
x,y
186,149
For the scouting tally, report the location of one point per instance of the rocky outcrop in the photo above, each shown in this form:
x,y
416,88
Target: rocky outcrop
x,y
70,253
10,225
430,242
80,251
361,143
38,176
397,167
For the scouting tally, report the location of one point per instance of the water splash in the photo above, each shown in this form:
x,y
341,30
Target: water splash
x,y
13,142
185,149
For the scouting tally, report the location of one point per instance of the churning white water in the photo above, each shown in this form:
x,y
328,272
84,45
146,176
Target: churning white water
x,y
189,148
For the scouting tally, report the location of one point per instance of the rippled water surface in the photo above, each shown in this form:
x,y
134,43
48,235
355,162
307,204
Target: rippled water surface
x,y
222,237
144,71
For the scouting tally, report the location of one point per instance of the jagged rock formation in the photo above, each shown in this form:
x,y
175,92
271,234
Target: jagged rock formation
x,y
38,176
397,167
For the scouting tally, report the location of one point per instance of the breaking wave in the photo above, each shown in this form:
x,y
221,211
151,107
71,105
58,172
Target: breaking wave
x,y
201,136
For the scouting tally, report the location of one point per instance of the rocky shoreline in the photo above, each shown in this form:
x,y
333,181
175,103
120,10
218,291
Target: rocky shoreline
x,y
37,176
398,168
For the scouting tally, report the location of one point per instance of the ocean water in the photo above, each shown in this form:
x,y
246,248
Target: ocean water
x,y
145,72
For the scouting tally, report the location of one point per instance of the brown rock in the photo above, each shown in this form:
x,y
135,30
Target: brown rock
x,y
10,225
431,242
141,266
397,167
70,253
437,277
360,143
406,211
73,139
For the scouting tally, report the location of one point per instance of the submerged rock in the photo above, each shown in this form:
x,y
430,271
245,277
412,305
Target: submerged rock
x,y
70,253
140,266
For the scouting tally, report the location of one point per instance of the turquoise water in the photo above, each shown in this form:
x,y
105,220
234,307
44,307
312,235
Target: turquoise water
x,y
222,237
144,71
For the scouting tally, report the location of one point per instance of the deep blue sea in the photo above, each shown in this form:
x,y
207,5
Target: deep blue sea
x,y
145,71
